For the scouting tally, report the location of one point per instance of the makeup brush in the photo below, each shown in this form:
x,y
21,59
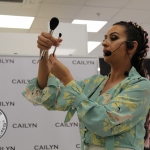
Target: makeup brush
x,y
53,24
56,46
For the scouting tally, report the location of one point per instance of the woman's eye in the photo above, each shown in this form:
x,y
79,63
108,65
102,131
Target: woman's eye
x,y
113,38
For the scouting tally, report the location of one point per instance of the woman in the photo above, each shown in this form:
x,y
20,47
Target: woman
x,y
111,109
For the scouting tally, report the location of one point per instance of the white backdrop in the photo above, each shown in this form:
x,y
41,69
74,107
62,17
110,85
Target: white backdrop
x,y
34,127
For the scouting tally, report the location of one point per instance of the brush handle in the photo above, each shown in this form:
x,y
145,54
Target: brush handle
x,y
54,50
56,46
44,51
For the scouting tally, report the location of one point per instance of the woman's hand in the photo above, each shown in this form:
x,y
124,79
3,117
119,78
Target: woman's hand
x,y
59,70
46,40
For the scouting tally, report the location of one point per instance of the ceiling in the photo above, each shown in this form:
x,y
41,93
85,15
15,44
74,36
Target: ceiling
x,y
68,10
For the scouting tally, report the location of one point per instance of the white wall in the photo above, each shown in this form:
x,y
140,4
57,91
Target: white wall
x,y
33,127
74,41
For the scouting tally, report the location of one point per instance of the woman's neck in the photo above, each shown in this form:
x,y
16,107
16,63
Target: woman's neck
x,y
118,73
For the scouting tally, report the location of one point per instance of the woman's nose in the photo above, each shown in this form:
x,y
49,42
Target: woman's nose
x,y
104,43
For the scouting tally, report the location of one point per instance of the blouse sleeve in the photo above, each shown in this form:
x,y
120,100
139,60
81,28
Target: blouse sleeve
x,y
119,114
55,95
35,95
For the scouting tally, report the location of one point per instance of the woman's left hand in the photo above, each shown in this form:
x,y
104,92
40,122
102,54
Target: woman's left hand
x,y
59,70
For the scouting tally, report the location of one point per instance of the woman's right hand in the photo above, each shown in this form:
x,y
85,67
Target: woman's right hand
x,y
46,40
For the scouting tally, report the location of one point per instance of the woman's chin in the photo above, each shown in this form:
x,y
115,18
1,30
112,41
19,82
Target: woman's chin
x,y
106,58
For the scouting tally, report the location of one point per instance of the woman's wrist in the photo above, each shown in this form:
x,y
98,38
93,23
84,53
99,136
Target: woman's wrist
x,y
66,80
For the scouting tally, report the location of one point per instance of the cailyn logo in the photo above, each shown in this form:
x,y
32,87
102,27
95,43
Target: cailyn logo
x,y
7,103
20,81
46,147
70,124
6,61
35,61
3,123
25,125
83,62
78,146
8,148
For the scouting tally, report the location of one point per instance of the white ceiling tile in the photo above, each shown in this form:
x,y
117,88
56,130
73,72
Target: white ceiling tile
x,y
106,27
58,10
139,4
134,15
65,20
147,21
8,30
67,10
37,31
42,23
74,2
90,13
146,27
18,11
107,3
10,4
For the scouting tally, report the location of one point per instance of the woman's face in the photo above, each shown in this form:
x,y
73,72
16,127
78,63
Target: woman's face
x,y
115,37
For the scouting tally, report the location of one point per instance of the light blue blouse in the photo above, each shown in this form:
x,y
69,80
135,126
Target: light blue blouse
x,y
113,119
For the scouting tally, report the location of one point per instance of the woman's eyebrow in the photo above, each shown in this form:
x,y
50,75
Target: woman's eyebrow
x,y
114,33
111,34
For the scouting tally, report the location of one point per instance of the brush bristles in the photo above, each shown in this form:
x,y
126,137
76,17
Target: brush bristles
x,y
60,34
53,23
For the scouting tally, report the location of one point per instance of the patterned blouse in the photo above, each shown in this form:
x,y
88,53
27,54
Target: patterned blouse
x,y
113,119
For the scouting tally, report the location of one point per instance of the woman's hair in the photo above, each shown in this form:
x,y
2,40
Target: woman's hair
x,y
136,33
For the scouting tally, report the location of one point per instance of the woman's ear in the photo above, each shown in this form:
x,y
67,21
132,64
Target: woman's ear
x,y
133,47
